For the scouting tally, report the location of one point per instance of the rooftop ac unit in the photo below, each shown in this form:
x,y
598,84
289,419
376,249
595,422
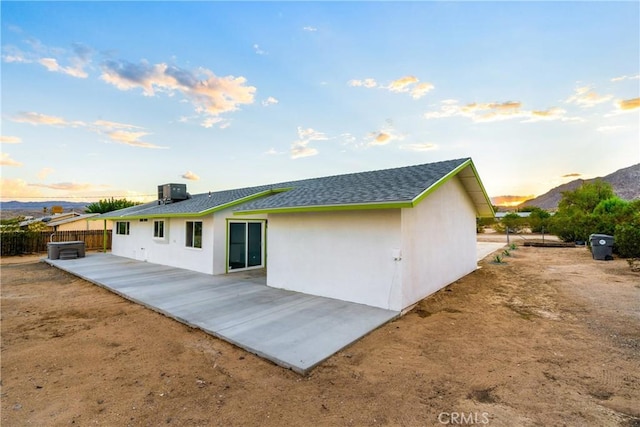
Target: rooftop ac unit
x,y
172,192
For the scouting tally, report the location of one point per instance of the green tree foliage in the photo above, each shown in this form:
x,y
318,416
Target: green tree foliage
x,y
11,224
594,208
538,219
585,198
627,236
513,221
109,205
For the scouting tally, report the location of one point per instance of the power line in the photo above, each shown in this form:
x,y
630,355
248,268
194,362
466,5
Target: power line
x,y
78,197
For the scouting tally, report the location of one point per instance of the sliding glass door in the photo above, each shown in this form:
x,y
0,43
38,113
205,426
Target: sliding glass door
x,y
246,245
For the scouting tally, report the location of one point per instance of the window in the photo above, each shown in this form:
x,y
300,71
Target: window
x,y
122,227
194,234
158,229
246,244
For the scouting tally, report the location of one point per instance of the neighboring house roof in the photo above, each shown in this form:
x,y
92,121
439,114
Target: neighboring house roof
x,y
388,188
54,223
500,215
50,218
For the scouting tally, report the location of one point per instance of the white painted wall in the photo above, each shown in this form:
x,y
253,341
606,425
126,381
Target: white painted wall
x,y
438,242
84,224
211,259
346,255
141,245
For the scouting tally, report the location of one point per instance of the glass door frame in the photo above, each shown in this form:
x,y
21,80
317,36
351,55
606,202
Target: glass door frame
x,y
263,243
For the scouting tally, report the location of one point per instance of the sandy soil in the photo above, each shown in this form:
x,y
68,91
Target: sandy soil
x,y
551,338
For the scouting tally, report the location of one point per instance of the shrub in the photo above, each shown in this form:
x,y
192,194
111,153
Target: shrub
x,y
627,239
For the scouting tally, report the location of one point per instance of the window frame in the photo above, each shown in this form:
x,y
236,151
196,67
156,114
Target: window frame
x,y
159,229
191,238
126,225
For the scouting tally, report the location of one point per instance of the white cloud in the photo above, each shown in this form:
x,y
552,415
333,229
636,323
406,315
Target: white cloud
x,y
257,50
497,111
300,148
419,147
67,186
210,94
585,97
51,64
76,60
122,133
309,28
40,119
383,137
44,173
622,78
368,83
605,129
628,104
270,101
272,152
209,122
406,84
117,132
17,188
4,139
6,160
190,176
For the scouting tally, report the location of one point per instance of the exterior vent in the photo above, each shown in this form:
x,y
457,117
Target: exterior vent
x,y
168,193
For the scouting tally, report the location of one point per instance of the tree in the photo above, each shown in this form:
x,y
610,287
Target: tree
x,y
594,209
513,222
538,219
586,197
109,205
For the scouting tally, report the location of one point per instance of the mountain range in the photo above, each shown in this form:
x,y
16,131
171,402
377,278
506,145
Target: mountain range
x,y
625,183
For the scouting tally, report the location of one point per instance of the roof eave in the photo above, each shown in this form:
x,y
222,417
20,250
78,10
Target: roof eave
x,y
481,208
191,214
328,208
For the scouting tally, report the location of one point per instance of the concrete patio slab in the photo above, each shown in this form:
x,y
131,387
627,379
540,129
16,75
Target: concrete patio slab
x,y
484,249
291,329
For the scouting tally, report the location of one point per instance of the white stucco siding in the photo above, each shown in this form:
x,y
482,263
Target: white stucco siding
x,y
172,250
345,255
83,224
438,242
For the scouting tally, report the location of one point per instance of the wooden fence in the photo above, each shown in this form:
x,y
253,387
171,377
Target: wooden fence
x,y
28,242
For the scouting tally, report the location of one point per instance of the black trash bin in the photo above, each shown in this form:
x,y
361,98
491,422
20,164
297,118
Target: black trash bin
x,y
601,246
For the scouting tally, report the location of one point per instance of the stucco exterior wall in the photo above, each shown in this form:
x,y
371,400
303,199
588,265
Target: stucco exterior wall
x,y
141,245
438,242
84,224
211,258
346,255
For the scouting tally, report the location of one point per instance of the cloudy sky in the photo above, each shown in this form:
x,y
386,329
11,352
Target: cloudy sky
x,y
112,99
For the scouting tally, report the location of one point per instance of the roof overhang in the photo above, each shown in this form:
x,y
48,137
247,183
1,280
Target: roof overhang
x,y
468,176
466,173
142,215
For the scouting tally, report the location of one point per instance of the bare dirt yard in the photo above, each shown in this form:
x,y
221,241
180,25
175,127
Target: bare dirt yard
x,y
550,338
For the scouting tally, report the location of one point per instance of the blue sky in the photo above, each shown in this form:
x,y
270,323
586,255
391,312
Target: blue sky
x,y
105,99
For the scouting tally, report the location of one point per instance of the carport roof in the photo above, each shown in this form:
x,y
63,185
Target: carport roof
x,y
387,188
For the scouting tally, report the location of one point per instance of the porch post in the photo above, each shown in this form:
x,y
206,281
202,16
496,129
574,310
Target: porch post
x,y
104,237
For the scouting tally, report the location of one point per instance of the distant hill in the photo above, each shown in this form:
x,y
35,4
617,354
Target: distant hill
x,y
625,183
14,208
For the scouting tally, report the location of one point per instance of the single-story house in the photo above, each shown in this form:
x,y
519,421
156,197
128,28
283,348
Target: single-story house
x,y
67,221
385,238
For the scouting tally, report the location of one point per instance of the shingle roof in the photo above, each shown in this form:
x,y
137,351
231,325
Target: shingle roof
x,y
398,187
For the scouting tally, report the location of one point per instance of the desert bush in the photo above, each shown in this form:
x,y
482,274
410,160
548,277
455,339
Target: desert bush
x,y
627,239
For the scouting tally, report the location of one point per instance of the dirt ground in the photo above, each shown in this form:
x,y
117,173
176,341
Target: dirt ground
x,y
550,338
